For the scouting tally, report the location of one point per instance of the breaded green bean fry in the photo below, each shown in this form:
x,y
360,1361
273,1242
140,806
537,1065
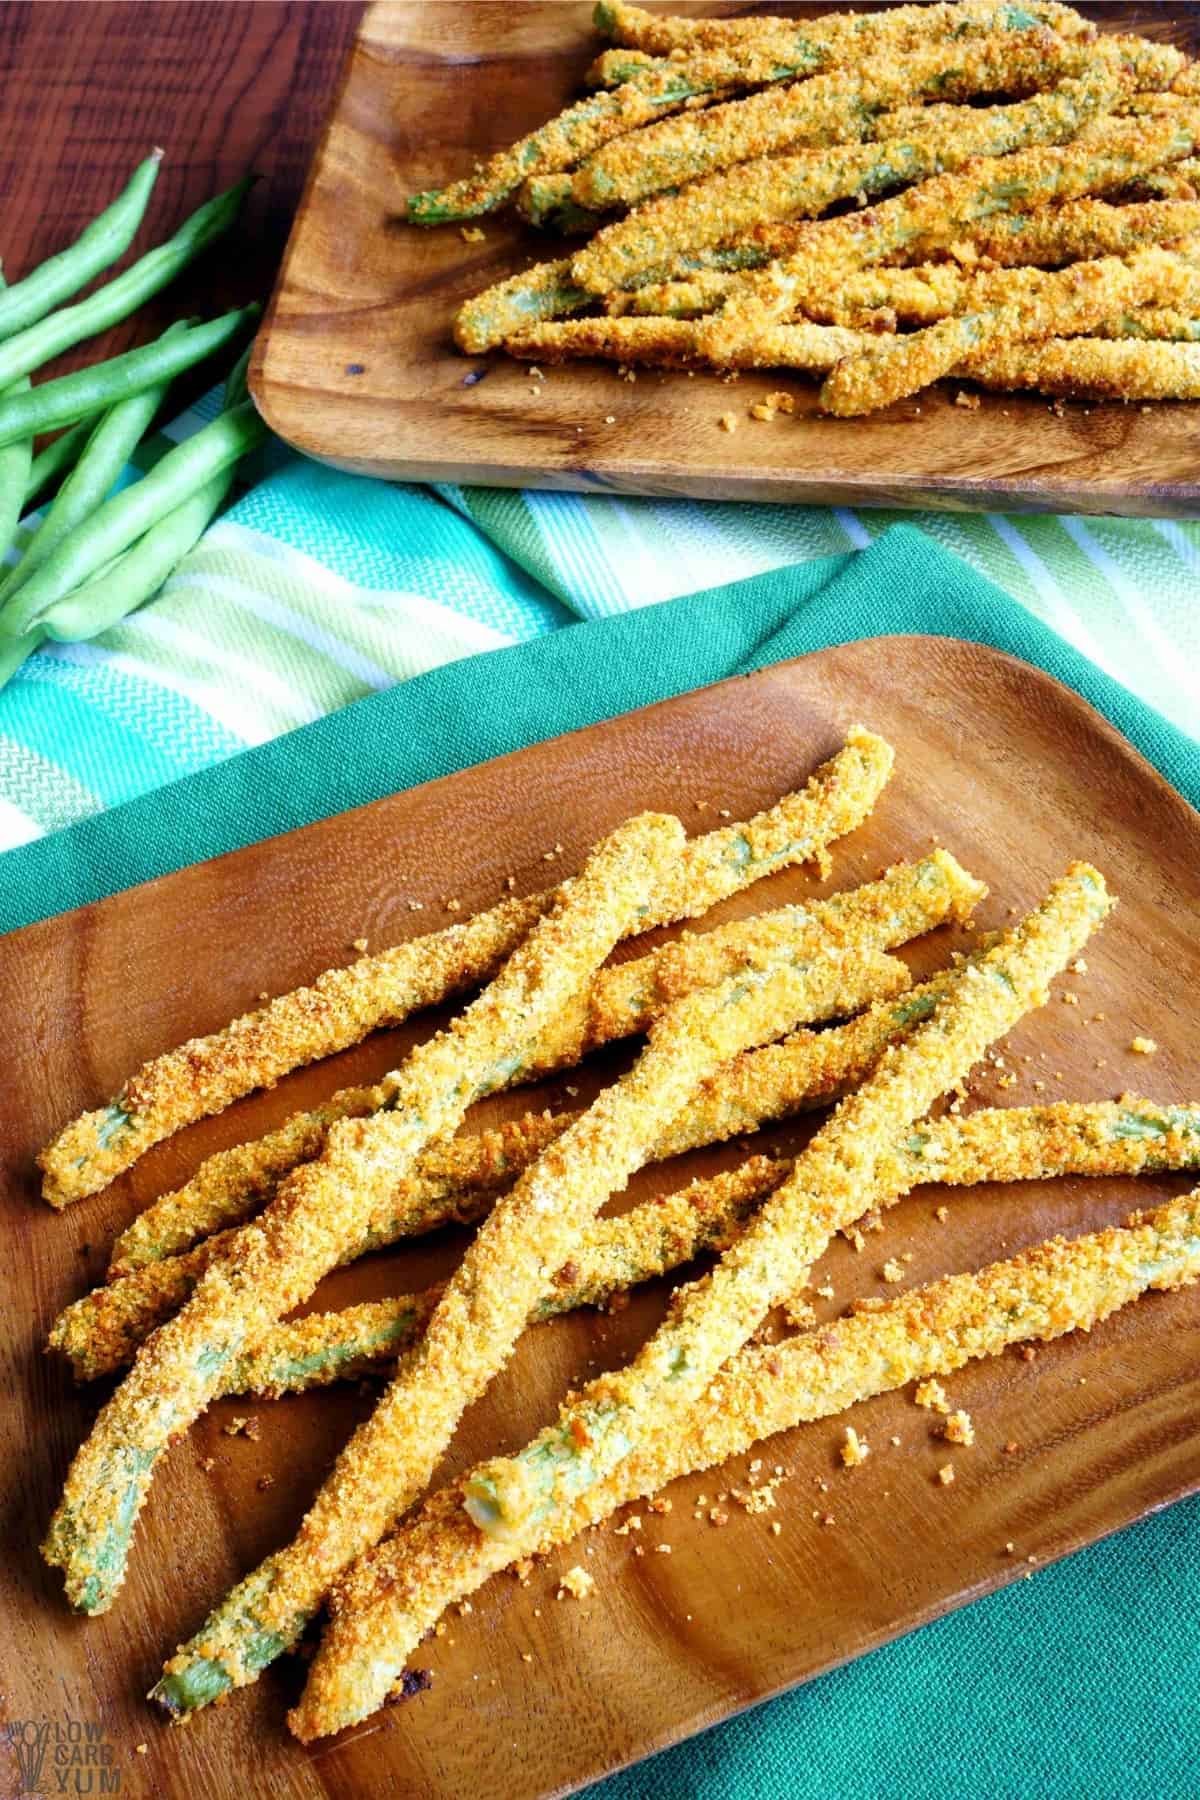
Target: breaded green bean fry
x,y
774,190
907,901
207,1074
548,202
457,1183
938,211
544,292
832,1182
1032,1143
1076,232
560,143
681,344
1092,369
1020,305
270,1266
397,1593
836,37
485,1307
826,109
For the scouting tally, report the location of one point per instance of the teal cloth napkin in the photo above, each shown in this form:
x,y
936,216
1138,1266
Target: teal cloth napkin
x,y
318,588
1081,1682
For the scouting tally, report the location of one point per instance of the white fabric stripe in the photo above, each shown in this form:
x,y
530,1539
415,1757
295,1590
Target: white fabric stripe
x,y
275,612
232,704
16,827
1155,637
306,571
1067,621
853,527
1178,539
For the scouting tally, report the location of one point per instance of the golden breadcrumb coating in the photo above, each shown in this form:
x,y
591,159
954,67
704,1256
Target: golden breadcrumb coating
x,y
831,1184
268,1267
938,211
206,1074
486,1304
397,1592
907,901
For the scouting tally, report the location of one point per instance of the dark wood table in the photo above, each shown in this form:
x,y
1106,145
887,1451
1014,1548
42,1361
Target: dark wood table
x,y
224,86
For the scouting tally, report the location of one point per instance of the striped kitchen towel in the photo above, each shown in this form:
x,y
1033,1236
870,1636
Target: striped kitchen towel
x,y
317,587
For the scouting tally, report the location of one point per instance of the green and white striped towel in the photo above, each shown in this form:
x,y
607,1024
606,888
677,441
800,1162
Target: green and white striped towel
x,y
318,587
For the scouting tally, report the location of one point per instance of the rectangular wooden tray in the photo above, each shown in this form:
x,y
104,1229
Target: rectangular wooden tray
x,y
1009,770
355,364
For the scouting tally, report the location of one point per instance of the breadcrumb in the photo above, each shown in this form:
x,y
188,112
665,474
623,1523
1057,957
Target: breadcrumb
x,y
958,1429
1143,1046
946,1474
854,1450
932,1394
576,1582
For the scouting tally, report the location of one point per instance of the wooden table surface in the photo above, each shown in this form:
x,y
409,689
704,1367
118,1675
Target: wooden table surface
x,y
224,86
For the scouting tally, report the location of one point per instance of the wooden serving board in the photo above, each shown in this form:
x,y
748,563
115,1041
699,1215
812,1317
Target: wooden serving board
x,y
996,760
355,363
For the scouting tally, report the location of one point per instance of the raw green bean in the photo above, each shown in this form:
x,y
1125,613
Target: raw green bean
x,y
58,458
136,576
104,240
125,517
29,349
109,447
16,462
70,397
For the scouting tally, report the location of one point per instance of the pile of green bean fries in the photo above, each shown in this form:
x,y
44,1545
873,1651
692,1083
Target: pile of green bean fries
x,y
95,554
751,190
745,1023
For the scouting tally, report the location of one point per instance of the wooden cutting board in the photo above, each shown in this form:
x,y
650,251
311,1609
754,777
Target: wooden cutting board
x,y
355,363
1009,770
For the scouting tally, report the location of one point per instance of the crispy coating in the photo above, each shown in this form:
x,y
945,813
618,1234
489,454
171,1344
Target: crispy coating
x,y
483,1310
908,900
775,190
1076,231
1024,1144
458,1183
679,344
562,142
1181,182
834,37
1021,304
396,1593
938,211
548,202
831,1184
269,1266
207,1074
544,292
1093,368
826,109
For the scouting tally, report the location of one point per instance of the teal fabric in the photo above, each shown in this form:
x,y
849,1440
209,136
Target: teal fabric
x,y
483,706
1081,1682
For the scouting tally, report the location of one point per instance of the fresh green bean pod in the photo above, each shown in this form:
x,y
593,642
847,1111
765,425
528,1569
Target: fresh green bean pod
x,y
109,447
16,461
136,576
92,390
126,517
107,237
29,349
58,458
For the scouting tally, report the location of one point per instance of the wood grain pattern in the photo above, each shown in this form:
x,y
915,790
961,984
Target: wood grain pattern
x,y
225,89
355,364
1013,773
